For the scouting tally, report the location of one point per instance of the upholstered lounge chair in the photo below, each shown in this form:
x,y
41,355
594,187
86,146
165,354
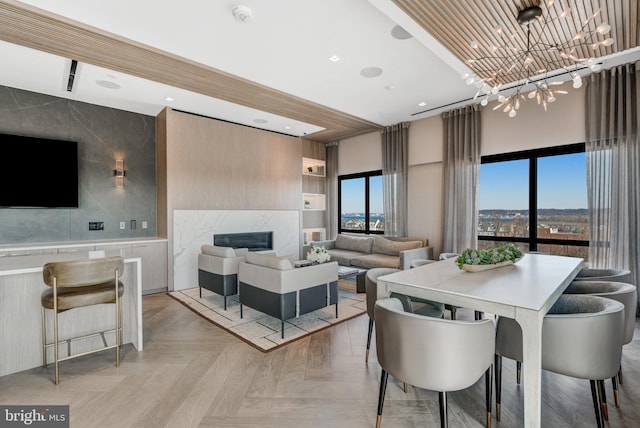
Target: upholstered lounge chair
x,y
272,285
218,269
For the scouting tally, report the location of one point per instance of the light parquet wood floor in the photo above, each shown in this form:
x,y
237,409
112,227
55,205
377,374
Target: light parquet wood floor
x,y
193,374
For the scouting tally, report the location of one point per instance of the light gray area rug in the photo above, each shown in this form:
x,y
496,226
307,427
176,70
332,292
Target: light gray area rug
x,y
263,331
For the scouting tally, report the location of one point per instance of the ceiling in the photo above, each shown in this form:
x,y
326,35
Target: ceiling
x,y
272,71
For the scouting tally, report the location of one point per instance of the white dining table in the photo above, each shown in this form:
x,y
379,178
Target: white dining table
x,y
524,291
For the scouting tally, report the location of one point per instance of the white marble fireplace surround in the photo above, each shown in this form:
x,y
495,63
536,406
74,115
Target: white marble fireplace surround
x,y
192,228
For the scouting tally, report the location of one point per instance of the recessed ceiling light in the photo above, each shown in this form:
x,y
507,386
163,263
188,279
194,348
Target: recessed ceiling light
x,y
422,104
260,121
108,84
400,33
168,99
334,58
390,87
369,72
287,127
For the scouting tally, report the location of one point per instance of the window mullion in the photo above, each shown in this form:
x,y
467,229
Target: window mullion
x,y
533,203
367,210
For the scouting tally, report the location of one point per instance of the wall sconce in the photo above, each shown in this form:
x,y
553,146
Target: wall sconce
x,y
119,173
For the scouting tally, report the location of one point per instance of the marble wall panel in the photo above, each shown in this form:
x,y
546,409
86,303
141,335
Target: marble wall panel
x,y
192,228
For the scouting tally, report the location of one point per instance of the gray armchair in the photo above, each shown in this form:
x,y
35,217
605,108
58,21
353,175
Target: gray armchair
x,y
594,274
626,294
218,269
581,338
432,353
427,307
270,284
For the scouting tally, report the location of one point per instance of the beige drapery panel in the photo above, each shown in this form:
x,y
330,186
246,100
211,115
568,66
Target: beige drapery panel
x,y
331,213
461,170
395,161
613,169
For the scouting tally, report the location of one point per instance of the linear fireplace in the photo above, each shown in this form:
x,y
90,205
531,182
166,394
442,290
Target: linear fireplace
x,y
254,241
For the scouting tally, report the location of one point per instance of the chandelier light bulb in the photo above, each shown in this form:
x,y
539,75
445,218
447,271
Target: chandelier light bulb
x,y
577,82
603,28
484,101
512,113
474,44
566,12
608,42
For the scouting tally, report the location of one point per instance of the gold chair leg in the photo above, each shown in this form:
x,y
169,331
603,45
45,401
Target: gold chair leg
x,y
117,332
405,387
55,331
44,340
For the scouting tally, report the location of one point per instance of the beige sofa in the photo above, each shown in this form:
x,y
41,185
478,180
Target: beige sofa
x,y
372,251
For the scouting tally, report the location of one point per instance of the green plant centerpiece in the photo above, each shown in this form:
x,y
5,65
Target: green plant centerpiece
x,y
477,260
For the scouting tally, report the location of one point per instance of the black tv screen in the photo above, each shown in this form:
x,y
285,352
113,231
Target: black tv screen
x,y
39,172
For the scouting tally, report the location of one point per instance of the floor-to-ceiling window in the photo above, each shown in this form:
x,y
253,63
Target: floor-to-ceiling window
x,y
360,202
535,199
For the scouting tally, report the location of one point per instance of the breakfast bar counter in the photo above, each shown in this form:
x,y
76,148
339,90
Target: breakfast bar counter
x,y
21,286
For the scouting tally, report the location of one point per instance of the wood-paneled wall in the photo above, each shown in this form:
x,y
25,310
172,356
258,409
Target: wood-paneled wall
x,y
213,164
208,164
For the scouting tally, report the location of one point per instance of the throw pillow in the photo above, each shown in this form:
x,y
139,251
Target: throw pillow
x,y
393,248
354,243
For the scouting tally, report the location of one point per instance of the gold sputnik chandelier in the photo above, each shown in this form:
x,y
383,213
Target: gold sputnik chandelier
x,y
533,65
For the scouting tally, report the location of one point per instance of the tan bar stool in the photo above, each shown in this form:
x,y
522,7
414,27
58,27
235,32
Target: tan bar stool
x,y
79,283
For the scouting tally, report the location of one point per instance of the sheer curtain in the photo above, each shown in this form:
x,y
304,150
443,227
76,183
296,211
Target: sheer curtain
x,y
331,212
395,143
613,169
461,170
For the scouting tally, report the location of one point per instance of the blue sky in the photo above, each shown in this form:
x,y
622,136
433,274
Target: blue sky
x,y
353,191
503,185
561,183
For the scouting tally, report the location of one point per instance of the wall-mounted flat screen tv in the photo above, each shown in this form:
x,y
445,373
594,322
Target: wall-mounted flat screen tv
x,y
38,172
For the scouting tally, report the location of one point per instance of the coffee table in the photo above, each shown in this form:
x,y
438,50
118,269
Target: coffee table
x,y
348,272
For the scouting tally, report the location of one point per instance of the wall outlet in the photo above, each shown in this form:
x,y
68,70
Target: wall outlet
x,y
144,224
96,225
123,225
132,224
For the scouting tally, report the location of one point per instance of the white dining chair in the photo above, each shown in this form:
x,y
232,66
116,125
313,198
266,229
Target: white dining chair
x,y
432,353
581,338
